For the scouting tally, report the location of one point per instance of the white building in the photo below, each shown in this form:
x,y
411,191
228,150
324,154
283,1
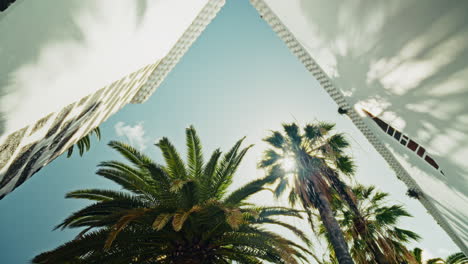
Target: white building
x,y
43,114
405,62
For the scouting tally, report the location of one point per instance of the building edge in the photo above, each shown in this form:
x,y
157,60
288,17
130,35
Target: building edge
x,y
201,21
26,153
325,82
27,150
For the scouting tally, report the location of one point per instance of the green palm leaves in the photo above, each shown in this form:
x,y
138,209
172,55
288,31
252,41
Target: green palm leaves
x,y
84,144
176,213
319,157
457,258
316,150
373,232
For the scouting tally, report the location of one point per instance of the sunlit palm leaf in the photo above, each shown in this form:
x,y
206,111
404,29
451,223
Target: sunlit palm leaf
x,y
207,223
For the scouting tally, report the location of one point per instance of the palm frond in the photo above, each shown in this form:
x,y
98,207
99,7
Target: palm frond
x,y
100,195
388,215
314,132
457,258
417,253
161,221
435,261
292,131
194,152
249,189
405,235
130,153
337,143
276,139
281,187
205,183
226,168
97,132
292,198
174,164
73,250
128,181
125,220
299,233
84,144
346,165
270,157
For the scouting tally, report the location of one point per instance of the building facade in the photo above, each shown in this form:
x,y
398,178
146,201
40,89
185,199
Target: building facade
x,y
35,135
26,151
404,63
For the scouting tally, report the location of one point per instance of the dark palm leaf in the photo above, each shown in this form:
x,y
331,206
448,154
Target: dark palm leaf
x,y
457,258
194,152
319,157
84,144
375,227
177,213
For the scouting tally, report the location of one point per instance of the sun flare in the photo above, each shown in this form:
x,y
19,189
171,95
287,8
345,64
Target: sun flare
x,y
288,164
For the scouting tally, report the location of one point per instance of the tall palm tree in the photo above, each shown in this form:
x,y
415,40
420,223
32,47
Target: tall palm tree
x,y
176,213
457,258
380,232
319,159
84,144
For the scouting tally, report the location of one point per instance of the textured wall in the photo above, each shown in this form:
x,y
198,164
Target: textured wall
x,y
27,150
405,62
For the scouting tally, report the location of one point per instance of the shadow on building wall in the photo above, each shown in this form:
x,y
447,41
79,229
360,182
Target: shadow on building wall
x,y
30,31
26,150
408,60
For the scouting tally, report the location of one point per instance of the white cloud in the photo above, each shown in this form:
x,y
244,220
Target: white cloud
x,y
135,134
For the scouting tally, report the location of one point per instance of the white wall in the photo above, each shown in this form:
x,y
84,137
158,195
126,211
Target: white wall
x,y
53,52
407,62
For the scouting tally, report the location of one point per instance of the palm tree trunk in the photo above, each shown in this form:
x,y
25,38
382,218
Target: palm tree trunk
x,y
334,232
361,226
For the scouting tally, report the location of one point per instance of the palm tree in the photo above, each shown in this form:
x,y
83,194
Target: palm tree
x,y
378,230
84,144
330,259
177,213
318,157
457,258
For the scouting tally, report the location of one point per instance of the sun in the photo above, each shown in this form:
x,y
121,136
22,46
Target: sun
x,y
288,164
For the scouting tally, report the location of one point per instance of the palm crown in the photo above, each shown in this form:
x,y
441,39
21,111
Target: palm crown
x,y
319,157
176,213
316,151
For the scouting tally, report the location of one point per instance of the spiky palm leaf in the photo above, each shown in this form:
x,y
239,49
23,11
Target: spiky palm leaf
x,y
319,157
176,213
378,229
457,258
84,144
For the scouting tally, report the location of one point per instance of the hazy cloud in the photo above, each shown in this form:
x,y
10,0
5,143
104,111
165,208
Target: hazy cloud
x,y
135,134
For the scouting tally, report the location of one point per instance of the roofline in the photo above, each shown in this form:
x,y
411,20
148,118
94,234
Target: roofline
x,y
206,15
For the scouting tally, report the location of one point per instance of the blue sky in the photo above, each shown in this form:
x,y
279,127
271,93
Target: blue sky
x,y
238,79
